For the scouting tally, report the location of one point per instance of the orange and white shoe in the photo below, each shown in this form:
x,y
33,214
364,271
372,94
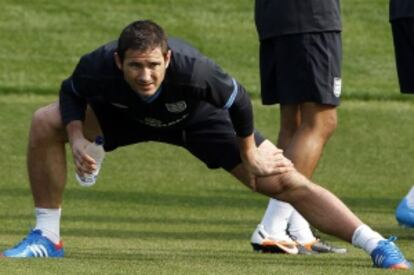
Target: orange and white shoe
x,y
263,242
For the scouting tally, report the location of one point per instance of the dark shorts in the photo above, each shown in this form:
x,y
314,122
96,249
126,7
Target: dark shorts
x,y
301,68
403,35
213,141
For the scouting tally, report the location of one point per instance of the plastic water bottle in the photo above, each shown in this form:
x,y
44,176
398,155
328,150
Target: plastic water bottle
x,y
96,151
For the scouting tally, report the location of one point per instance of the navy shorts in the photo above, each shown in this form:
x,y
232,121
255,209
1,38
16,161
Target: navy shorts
x,y
403,35
213,141
301,68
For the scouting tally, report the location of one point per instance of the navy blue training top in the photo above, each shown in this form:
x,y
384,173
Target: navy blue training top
x,y
401,9
281,17
193,89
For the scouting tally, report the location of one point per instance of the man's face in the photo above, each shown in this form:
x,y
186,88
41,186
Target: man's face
x,y
144,71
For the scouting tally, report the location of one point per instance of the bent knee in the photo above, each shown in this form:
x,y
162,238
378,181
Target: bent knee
x,y
46,124
330,124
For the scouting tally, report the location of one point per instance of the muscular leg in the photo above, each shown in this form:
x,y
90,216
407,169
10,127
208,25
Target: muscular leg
x,y
320,207
303,138
290,119
276,218
46,158
304,130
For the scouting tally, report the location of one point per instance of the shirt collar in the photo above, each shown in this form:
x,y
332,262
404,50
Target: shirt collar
x,y
152,98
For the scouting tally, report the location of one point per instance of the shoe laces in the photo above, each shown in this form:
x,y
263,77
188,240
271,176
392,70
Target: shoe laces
x,y
30,238
390,250
410,202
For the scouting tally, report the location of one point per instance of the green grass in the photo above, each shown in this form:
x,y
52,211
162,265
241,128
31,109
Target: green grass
x,y
157,210
43,40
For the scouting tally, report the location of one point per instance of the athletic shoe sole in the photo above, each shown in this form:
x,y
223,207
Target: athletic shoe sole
x,y
270,246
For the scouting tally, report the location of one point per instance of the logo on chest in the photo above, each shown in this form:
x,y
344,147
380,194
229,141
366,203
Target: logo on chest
x,y
176,107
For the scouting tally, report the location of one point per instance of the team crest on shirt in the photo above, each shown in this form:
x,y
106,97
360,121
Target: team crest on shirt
x,y
176,107
337,86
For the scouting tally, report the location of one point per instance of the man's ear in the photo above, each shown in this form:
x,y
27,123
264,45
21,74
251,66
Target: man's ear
x,y
118,61
167,58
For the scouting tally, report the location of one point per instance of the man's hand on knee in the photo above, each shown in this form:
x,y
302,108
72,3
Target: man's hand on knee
x,y
266,163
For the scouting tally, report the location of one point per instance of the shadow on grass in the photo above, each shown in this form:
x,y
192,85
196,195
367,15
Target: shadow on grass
x,y
225,200
157,235
119,219
165,232
220,200
211,198
165,228
208,256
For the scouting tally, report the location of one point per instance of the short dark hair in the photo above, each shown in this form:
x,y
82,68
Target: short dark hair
x,y
142,35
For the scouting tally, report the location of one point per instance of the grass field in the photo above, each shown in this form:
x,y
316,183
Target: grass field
x,y
182,218
157,210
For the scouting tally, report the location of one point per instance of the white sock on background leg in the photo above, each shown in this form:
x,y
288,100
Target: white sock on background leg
x,y
299,228
48,220
366,238
275,219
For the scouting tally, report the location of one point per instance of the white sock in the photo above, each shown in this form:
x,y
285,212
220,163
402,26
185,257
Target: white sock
x,y
299,228
48,220
410,198
366,238
275,219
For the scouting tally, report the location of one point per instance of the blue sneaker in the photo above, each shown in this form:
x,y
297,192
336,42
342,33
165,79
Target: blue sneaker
x,y
405,213
388,255
35,245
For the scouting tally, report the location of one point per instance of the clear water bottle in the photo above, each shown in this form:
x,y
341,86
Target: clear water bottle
x,y
96,151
